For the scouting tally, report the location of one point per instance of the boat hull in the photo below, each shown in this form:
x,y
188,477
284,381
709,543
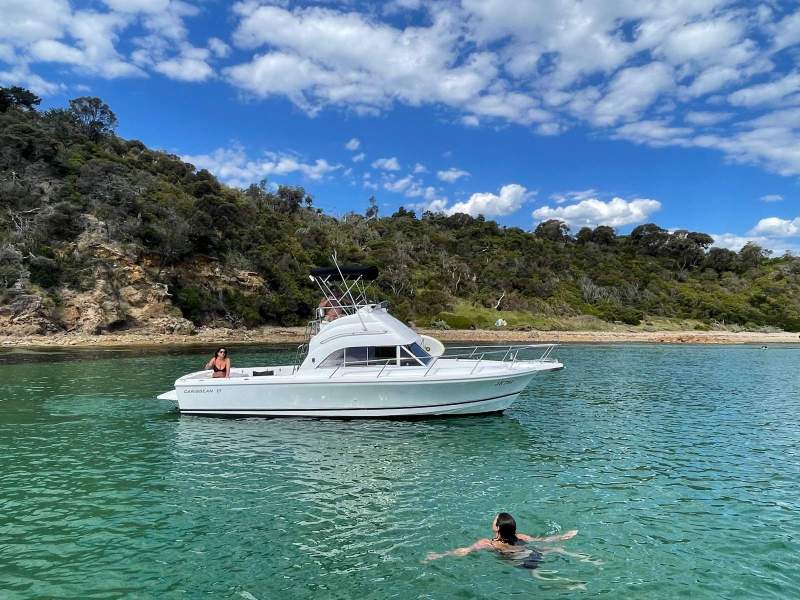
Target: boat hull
x,y
352,398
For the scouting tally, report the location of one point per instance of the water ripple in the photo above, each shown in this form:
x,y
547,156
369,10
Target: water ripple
x,y
679,465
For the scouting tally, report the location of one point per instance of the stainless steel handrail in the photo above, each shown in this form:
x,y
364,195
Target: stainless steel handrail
x,y
509,352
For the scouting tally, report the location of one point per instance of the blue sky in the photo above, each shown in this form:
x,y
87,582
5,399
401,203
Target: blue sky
x,y
685,113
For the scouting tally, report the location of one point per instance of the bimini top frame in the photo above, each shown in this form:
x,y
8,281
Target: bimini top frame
x,y
344,286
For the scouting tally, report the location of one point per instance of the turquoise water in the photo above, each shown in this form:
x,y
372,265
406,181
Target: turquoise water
x,y
680,466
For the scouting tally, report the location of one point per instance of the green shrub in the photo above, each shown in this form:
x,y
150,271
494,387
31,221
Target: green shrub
x,y
195,302
456,321
617,312
45,272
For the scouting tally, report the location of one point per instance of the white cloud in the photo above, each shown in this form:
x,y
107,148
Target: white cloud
x,y
331,57
399,185
562,197
25,22
87,40
773,233
394,6
634,66
631,91
706,118
701,41
190,65
452,175
592,212
52,50
387,164
509,200
771,198
641,71
218,47
134,6
359,157
21,76
766,92
787,32
712,79
733,241
777,148
653,133
353,144
419,168
233,166
777,227
777,244
91,49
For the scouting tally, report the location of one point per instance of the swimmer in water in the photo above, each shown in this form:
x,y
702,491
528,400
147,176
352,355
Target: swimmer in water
x,y
508,543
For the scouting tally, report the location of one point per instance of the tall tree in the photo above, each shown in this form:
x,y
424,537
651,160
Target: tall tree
x,y
18,97
553,230
603,235
372,210
94,116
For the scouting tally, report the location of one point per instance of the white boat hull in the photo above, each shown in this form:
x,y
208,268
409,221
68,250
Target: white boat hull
x,y
400,392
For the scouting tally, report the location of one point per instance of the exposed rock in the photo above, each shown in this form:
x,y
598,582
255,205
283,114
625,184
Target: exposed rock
x,y
124,294
173,326
27,314
93,312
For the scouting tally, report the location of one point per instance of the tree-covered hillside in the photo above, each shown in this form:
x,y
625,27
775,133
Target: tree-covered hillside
x,y
99,230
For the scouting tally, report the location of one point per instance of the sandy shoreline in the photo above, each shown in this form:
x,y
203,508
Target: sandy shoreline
x,y
294,335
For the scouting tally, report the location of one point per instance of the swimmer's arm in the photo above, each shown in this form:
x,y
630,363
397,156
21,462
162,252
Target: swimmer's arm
x,y
550,538
479,545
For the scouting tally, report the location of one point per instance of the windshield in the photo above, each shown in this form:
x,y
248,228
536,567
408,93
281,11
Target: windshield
x,y
420,353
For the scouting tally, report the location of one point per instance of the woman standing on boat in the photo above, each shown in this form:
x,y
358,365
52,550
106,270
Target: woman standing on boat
x,y
220,364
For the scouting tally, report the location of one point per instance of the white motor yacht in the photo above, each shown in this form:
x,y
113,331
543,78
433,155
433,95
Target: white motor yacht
x,y
360,361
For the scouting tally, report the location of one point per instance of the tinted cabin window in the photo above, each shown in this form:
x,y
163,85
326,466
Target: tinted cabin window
x,y
407,359
382,354
420,353
334,359
355,357
370,356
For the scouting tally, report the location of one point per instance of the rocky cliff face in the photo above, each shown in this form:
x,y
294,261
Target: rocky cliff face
x,y
119,291
122,295
27,314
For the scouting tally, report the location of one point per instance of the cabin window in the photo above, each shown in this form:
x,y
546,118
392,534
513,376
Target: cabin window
x,y
370,356
381,354
420,353
355,357
334,359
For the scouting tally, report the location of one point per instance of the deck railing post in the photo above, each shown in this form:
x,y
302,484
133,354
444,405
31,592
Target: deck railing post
x,y
386,364
476,364
433,362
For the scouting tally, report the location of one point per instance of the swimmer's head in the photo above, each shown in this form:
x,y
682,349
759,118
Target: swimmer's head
x,y
505,527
